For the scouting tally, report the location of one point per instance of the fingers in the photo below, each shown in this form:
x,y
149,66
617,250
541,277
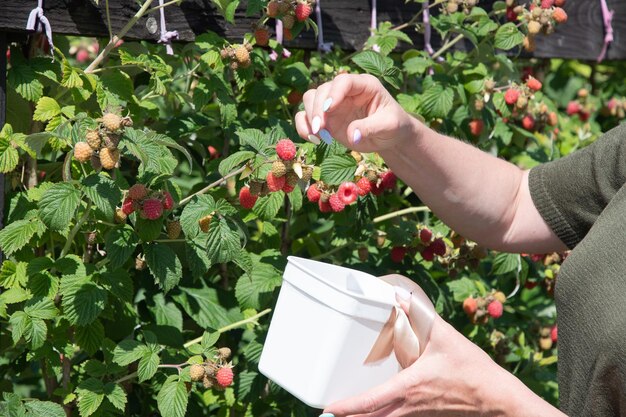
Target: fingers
x,y
304,129
371,127
347,85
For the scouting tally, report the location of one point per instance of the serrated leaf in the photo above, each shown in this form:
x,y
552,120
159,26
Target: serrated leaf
x,y
203,306
508,36
437,101
505,263
148,365
58,205
209,339
46,109
119,283
254,290
246,382
116,395
128,351
25,81
149,230
90,393
38,408
103,192
12,274
9,156
337,169
17,234
71,76
372,62
90,337
235,161
223,243
255,139
462,288
120,244
84,303
268,207
19,322
164,265
172,398
42,308
200,206
36,332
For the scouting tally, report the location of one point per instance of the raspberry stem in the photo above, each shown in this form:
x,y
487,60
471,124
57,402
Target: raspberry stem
x,y
75,229
400,213
212,185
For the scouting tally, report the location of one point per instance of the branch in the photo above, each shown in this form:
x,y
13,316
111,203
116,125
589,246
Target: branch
x,y
414,18
399,213
75,229
212,185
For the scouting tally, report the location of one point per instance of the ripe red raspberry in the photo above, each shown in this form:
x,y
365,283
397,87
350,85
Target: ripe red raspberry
x,y
224,376
439,247
584,115
559,3
553,119
470,306
554,334
511,96
213,153
168,201
324,206
511,16
428,254
313,194
152,209
287,188
294,97
246,199
336,204
286,149
262,36
364,186
388,180
128,206
476,127
533,83
397,253
375,188
426,235
573,107
348,192
559,15
303,11
495,309
528,122
275,183
546,4
138,192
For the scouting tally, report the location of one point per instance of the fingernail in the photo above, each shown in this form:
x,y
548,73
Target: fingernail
x,y
356,136
315,124
327,104
326,136
314,139
327,415
402,293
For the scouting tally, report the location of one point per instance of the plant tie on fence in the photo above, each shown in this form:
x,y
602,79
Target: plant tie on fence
x,y
607,18
166,37
279,39
321,45
373,24
37,22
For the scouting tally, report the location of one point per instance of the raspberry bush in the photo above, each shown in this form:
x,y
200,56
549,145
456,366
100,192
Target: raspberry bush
x,y
153,200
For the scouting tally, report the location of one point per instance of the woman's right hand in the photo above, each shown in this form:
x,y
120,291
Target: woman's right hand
x,y
357,111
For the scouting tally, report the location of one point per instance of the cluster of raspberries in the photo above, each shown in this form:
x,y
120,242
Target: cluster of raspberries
x,y
427,245
548,336
289,11
530,114
465,6
480,309
581,108
216,373
150,204
239,55
100,145
541,17
335,199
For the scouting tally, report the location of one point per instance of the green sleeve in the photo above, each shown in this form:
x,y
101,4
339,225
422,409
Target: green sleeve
x,y
571,192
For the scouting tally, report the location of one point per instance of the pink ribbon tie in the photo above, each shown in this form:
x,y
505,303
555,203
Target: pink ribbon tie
x,y
37,22
607,18
166,36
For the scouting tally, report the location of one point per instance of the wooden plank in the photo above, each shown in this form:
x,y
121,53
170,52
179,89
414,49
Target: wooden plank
x,y
345,22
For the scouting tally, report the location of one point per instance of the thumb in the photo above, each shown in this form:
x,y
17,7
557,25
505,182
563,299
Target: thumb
x,y
392,391
379,125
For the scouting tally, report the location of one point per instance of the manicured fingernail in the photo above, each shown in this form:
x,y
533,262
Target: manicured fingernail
x,y
327,104
314,139
327,415
356,136
315,124
402,293
326,136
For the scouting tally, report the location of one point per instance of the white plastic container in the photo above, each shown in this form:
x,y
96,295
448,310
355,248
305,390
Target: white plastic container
x,y
325,323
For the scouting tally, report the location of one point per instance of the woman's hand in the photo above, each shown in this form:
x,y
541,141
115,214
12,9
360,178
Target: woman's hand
x,y
357,111
453,377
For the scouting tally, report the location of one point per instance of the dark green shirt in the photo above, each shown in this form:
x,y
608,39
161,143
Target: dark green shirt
x,y
583,198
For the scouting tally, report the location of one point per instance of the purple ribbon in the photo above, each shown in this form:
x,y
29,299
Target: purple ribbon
x,y
607,17
39,23
166,37
321,45
373,24
427,27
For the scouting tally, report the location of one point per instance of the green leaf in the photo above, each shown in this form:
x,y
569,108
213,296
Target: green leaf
x,y
42,308
505,263
254,290
462,288
164,265
119,283
268,207
17,234
337,169
9,156
103,192
148,365
120,245
203,306
25,81
197,258
255,139
128,351
393,76
437,101
235,161
209,339
90,337
223,243
38,408
58,205
200,206
172,398
83,304
71,76
149,230
12,274
116,395
161,139
19,322
46,109
372,62
36,333
90,394
508,36
262,91
15,295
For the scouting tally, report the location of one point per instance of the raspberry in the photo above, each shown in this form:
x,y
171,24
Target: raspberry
x,y
127,121
500,296
109,158
291,179
426,235
256,187
534,27
336,204
439,247
272,9
546,4
275,183
528,122
111,140
138,192
213,153
324,206
533,83
398,253
495,309
196,372
173,229
82,151
119,217
313,194
375,188
287,188
93,139
128,206
287,35
371,175
428,254
262,36
168,201
559,3
470,306
224,352
307,173
224,376
511,16
152,209
511,96
553,119
388,180
573,107
476,127
294,98
285,149
529,43
303,11
364,186
205,223
284,6
242,56
246,199
545,343
112,122
584,115
140,263
554,334
348,192
288,21
559,15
